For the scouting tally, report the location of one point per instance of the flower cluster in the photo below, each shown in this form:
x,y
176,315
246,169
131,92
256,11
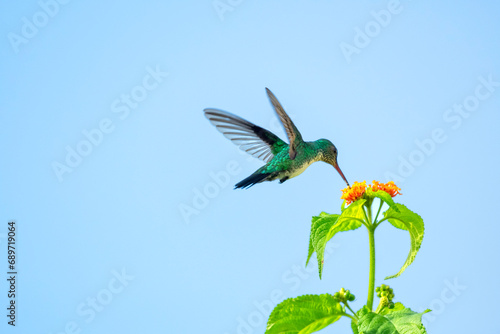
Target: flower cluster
x,y
343,296
385,291
388,187
386,295
352,194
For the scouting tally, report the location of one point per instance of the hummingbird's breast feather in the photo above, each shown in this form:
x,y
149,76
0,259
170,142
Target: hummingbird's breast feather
x,y
283,167
299,170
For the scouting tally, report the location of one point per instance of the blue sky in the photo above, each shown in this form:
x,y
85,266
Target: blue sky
x,y
122,190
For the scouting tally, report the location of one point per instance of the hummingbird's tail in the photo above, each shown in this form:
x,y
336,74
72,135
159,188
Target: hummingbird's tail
x,y
251,180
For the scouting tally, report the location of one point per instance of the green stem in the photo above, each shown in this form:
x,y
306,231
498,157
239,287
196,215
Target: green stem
x,y
380,207
368,220
350,316
350,309
379,222
383,303
371,237
371,277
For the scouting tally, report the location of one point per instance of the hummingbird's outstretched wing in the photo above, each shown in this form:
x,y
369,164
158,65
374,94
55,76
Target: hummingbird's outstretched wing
x,y
251,138
293,134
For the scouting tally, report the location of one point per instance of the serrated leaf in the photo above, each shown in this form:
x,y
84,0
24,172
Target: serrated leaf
x,y
401,321
354,211
397,307
304,314
398,224
412,223
323,219
407,321
382,195
325,226
354,327
317,239
372,323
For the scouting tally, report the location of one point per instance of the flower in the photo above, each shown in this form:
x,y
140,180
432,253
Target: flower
x,y
351,194
344,296
388,187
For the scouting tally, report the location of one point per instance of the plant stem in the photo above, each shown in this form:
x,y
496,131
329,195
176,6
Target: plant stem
x,y
350,309
380,207
367,215
350,316
371,277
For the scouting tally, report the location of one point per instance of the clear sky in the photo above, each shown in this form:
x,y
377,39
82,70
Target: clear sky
x,y
122,190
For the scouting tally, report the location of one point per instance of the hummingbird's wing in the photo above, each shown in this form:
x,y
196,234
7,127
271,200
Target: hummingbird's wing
x,y
293,134
251,138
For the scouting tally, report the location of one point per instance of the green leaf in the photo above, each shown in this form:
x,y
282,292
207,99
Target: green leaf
x,y
325,226
382,195
398,224
354,212
323,221
317,240
396,321
354,327
372,323
397,307
412,223
304,314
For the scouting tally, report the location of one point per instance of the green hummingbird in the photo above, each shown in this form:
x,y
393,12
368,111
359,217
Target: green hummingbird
x,y
283,161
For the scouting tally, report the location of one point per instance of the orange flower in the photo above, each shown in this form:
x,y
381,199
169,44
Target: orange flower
x,y
353,193
388,187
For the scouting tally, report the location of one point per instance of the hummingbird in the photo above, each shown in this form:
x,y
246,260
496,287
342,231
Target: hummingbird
x,y
283,161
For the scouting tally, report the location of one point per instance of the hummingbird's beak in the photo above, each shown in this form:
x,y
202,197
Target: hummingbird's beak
x,y
336,166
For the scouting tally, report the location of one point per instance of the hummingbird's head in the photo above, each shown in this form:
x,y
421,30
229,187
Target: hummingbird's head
x,y
329,155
